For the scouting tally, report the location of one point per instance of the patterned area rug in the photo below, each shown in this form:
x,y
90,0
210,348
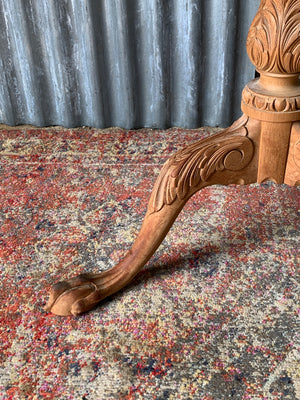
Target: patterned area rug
x,y
215,313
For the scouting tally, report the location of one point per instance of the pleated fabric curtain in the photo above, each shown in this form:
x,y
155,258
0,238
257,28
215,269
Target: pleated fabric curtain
x,y
126,63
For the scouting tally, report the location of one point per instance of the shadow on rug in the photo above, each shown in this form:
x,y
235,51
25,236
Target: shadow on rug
x,y
214,315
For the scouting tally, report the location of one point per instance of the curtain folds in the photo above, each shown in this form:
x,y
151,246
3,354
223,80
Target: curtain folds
x,y
127,63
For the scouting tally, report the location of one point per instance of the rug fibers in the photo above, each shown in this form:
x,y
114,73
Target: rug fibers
x,y
213,315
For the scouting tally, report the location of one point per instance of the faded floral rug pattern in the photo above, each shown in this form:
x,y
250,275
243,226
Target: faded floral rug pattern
x,y
215,313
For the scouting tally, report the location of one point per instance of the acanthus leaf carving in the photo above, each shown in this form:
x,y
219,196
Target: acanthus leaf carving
x,y
193,166
274,37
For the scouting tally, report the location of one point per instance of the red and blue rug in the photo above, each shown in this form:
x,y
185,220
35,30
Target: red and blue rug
x,y
214,315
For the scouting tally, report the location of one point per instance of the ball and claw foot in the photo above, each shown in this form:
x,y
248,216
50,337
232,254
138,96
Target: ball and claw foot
x,y
74,297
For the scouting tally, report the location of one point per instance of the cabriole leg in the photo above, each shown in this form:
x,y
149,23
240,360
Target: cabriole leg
x,y
262,145
225,158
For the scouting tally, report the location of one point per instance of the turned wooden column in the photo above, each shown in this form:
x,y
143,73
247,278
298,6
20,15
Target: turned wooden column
x,y
273,46
264,144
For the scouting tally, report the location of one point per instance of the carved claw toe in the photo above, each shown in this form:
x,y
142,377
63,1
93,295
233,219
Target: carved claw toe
x,y
73,297
87,303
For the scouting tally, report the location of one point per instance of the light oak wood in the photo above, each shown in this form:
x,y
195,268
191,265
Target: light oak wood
x,y
292,173
273,151
264,144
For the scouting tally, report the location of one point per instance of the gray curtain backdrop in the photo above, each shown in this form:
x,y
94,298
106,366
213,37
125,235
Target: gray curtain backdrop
x,y
127,63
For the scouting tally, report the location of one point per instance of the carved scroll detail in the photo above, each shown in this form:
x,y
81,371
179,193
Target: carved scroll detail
x,y
274,37
270,103
193,166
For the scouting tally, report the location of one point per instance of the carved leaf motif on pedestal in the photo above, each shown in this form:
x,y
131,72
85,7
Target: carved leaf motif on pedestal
x,y
274,37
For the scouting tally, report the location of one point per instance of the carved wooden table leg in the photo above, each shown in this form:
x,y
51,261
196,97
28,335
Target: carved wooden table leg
x,y
262,145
